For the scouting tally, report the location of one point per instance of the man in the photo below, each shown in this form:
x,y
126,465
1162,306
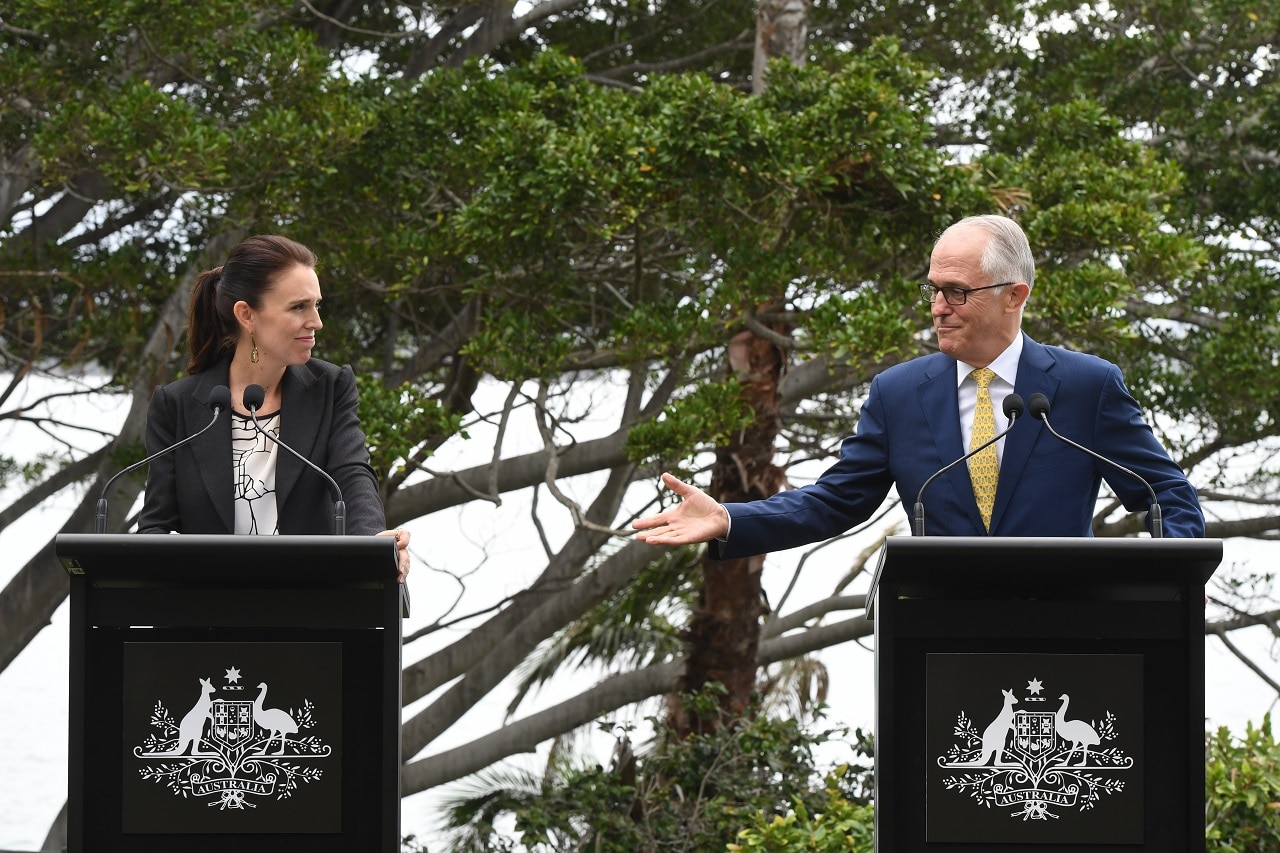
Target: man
x,y
921,415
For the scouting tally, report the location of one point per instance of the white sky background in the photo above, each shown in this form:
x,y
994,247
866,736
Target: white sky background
x,y
33,690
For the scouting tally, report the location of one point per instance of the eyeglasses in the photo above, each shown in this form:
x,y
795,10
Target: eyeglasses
x,y
953,295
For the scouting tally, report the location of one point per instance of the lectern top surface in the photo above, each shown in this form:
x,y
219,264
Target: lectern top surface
x,y
1101,568
127,554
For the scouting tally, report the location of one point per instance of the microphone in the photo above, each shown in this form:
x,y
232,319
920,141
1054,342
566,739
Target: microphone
x,y
254,395
1039,405
219,399
1013,409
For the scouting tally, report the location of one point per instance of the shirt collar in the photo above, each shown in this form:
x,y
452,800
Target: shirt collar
x,y
1005,365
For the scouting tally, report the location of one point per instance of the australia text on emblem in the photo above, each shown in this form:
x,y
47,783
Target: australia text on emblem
x,y
1035,762
232,750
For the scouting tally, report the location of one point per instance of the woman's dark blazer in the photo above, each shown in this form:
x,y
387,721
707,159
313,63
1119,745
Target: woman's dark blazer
x,y
190,490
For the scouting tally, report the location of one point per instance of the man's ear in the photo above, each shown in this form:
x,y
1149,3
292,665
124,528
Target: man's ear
x,y
1018,293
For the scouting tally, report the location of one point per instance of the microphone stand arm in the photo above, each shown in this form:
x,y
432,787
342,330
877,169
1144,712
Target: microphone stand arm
x,y
919,508
339,505
100,524
1157,519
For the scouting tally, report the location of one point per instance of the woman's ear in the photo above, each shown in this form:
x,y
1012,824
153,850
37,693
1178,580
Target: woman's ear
x,y
244,315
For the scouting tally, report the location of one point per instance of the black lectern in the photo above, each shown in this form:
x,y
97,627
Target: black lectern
x,y
1040,695
233,693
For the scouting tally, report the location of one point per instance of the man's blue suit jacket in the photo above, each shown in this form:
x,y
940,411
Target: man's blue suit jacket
x,y
910,428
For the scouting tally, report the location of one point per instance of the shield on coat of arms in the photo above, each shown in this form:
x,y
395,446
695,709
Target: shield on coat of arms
x,y
232,722
1035,734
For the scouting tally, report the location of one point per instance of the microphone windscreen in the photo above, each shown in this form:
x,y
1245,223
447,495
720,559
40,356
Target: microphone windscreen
x,y
254,395
220,398
1013,405
1039,406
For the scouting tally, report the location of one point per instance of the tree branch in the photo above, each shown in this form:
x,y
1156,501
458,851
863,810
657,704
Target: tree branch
x,y
1247,661
616,691
508,638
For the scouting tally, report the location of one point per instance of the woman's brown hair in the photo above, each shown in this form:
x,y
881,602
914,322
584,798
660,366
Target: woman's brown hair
x,y
249,272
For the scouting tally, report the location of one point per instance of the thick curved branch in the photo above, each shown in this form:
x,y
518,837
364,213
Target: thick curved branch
x,y
65,215
1260,527
792,621
435,348
520,472
78,471
617,691
510,637
524,735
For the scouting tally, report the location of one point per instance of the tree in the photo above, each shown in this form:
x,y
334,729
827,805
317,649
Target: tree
x,y
1241,786
581,200
723,637
690,793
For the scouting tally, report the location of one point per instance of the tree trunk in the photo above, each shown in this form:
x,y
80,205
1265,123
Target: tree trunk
x,y
724,635
782,30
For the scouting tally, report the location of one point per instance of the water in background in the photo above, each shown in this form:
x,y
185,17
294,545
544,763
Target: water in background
x,y
33,738
33,689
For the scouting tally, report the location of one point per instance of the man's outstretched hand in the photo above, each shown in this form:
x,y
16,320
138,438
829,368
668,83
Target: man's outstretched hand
x,y
697,518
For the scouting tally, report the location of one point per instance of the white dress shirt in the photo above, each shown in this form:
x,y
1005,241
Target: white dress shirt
x,y
1005,368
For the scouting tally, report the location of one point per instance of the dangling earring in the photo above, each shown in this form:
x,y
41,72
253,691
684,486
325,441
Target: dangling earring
x,y
253,353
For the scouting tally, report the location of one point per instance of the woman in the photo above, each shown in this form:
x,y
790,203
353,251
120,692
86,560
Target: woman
x,y
253,321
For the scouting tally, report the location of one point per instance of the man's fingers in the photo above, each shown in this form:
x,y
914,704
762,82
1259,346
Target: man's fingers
x,y
649,522
680,487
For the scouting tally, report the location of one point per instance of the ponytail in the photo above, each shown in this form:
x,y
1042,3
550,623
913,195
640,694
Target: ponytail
x,y
208,337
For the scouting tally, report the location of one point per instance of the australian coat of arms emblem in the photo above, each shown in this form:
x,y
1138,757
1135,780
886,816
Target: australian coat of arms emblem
x,y
233,751
1038,757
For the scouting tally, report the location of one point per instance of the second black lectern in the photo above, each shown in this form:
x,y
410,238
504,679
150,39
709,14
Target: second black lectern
x,y
233,693
1040,695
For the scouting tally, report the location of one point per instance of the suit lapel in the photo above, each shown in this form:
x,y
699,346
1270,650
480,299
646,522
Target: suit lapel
x,y
300,415
939,397
212,450
1033,377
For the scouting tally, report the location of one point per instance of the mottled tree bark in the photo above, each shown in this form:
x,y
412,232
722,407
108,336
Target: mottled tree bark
x,y
782,30
724,634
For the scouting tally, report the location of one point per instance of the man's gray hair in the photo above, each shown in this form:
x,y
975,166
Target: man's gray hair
x,y
1007,255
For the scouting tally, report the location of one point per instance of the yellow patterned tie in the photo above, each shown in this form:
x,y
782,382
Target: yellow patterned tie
x,y
984,469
